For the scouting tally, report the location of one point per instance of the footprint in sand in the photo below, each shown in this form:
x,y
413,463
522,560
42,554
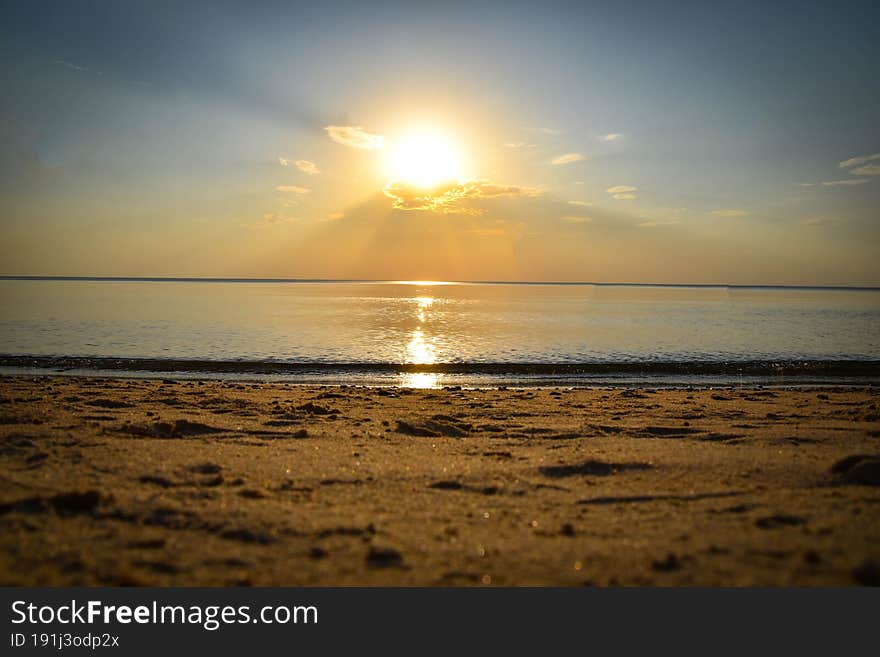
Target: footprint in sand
x,y
591,468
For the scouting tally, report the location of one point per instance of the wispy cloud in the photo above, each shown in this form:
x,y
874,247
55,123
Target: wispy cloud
x,y
293,189
661,217
580,204
575,219
72,67
622,192
355,137
655,223
611,136
567,158
519,145
452,198
731,213
307,167
858,166
861,159
822,221
849,182
867,170
303,165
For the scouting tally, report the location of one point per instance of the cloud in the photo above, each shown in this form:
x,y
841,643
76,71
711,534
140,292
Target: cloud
x,y
270,218
862,159
661,217
867,170
73,67
622,192
307,167
580,204
731,213
573,219
567,158
355,136
851,181
303,165
612,136
518,145
862,167
292,189
451,198
822,221
652,223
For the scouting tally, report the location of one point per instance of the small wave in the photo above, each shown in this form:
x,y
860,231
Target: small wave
x,y
752,368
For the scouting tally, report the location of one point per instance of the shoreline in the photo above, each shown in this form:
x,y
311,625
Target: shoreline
x,y
109,481
694,373
457,381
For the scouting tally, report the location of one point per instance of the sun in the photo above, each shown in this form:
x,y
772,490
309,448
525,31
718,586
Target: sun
x,y
424,159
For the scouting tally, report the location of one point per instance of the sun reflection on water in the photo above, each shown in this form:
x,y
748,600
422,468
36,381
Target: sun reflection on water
x,y
422,380
424,304
420,350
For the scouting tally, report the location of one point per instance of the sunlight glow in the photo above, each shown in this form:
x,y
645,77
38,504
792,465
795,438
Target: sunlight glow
x,y
424,160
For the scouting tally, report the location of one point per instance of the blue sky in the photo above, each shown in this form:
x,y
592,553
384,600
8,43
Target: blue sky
x,y
624,141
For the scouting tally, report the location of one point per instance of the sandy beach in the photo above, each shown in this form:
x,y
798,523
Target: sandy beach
x,y
152,482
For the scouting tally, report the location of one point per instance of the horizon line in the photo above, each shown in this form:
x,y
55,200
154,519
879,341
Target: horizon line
x,y
236,279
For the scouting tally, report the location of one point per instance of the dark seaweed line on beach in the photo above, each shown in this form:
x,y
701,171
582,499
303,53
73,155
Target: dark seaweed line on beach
x,y
830,368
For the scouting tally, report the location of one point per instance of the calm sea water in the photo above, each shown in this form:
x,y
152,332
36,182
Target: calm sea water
x,y
430,323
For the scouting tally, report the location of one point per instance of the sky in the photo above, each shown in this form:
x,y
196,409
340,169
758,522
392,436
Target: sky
x,y
626,141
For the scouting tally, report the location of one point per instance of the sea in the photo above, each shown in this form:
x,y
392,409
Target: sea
x,y
432,334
